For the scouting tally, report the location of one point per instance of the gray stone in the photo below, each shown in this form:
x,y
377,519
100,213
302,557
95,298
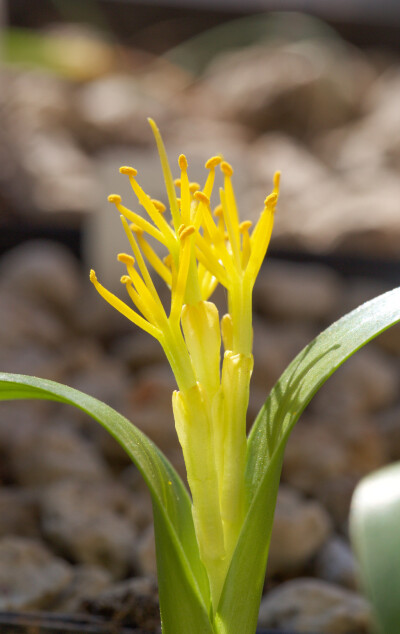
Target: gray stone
x,y
151,400
366,382
325,457
87,581
387,424
275,87
275,346
300,529
138,351
53,279
19,514
133,603
298,292
321,449
335,563
146,553
58,453
23,322
310,605
90,523
30,576
115,109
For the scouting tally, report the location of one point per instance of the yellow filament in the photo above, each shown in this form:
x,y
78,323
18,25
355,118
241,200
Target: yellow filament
x,y
232,228
141,263
246,244
207,257
137,219
260,238
122,308
153,310
179,287
139,301
169,183
185,191
153,258
218,213
154,214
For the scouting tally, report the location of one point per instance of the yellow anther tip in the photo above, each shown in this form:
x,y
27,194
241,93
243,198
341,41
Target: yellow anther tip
x,y
158,205
271,200
92,276
201,198
126,259
277,178
183,164
129,171
213,162
245,226
168,260
125,279
218,211
136,229
185,231
114,198
177,182
194,187
226,168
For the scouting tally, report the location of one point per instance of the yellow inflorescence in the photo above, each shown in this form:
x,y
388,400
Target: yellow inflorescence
x,y
203,247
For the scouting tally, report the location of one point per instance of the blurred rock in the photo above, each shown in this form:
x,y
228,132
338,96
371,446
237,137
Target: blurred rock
x,y
133,603
297,87
146,553
301,171
19,514
115,108
300,529
90,524
152,408
30,576
138,351
308,605
87,581
390,340
275,346
57,453
366,382
335,563
142,510
387,424
24,322
63,179
37,99
298,292
323,453
44,272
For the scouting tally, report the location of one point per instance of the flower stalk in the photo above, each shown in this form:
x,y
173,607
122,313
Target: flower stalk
x,y
203,247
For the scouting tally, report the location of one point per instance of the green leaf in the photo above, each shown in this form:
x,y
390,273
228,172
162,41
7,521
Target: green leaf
x,y
183,584
374,529
238,608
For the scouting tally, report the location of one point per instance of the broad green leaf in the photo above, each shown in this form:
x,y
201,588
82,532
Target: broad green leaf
x,y
375,534
239,603
177,551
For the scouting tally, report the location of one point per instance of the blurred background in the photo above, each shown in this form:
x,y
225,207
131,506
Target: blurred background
x,y
313,90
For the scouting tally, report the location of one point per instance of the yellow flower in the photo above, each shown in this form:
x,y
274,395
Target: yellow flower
x,y
203,247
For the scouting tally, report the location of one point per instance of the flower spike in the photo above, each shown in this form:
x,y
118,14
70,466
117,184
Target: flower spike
x,y
201,250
